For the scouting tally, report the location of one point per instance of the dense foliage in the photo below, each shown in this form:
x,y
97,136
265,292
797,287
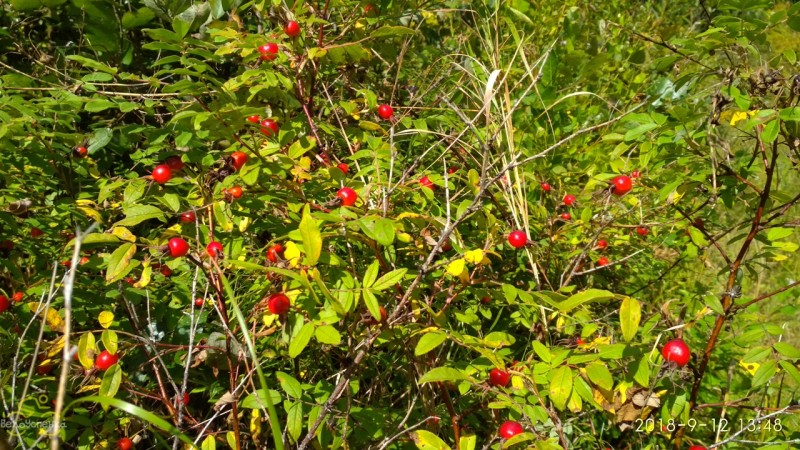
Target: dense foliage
x,y
395,225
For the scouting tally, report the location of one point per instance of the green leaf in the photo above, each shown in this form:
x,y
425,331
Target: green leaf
x,y
301,340
312,238
371,274
542,352
257,399
770,132
468,442
294,420
600,375
327,334
99,104
429,341
764,373
442,374
641,371
630,313
96,238
92,64
497,339
589,295
301,147
775,234
119,262
561,387
791,370
110,339
137,214
209,443
138,18
425,440
112,378
389,279
391,31
290,385
381,230
372,303
787,350
99,139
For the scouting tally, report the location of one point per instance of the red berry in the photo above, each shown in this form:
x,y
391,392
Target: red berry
x,y
275,252
602,244
125,444
510,429
188,217
7,245
129,280
4,303
343,167
18,296
67,263
36,232
214,249
384,315
348,196
566,216
370,10
174,162
676,351
269,127
162,173
178,247
486,300
569,199
385,112
278,303
499,377
546,187
185,399
635,174
641,231
199,302
253,119
426,182
517,239
602,261
292,29
622,185
236,192
579,341
697,447
80,152
44,369
166,271
238,159
105,360
268,51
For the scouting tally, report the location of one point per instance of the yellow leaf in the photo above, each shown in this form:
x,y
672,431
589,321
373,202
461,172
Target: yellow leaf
x,y
292,253
146,275
92,214
623,387
255,422
124,234
106,318
457,267
51,317
269,319
474,256
56,347
243,224
517,382
750,368
738,116
409,215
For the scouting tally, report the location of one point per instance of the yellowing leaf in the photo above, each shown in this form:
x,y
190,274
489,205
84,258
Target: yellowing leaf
x,y
255,422
106,318
51,317
750,368
124,234
292,253
146,275
457,267
56,347
474,256
243,224
86,346
91,213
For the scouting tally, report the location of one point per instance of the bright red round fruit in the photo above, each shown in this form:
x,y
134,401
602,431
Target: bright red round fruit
x,y
269,127
125,444
238,159
499,377
292,29
199,302
236,192
697,447
275,252
105,360
602,261
676,351
348,196
426,182
162,173
635,174
80,152
385,112
569,199
641,231
188,217
602,244
17,297
4,303
278,304
253,119
622,185
566,216
165,270
343,167
36,232
185,399
546,187
268,51
510,429
214,249
174,162
517,239
178,247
